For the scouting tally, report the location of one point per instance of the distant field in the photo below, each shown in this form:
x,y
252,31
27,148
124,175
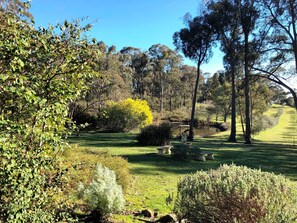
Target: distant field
x,y
154,177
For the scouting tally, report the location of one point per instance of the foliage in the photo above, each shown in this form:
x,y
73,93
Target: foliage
x,y
83,118
263,122
261,97
289,101
195,42
185,152
137,62
126,115
164,64
83,159
103,195
280,45
218,90
178,115
41,71
154,135
121,168
236,194
156,76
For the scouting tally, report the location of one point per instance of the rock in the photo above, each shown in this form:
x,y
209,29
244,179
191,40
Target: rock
x,y
170,218
200,158
223,126
147,213
136,213
210,156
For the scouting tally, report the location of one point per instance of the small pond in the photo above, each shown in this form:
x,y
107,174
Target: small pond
x,y
206,131
201,131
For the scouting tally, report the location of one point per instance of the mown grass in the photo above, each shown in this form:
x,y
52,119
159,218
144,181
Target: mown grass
x,y
154,177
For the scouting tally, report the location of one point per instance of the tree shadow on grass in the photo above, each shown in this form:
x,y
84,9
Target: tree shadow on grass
x,y
274,157
277,158
291,133
154,164
104,140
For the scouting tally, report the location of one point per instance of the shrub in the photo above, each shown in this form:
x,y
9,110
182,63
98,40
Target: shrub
x,y
126,115
180,152
263,122
88,158
42,70
236,194
288,101
154,135
81,117
184,152
121,168
103,195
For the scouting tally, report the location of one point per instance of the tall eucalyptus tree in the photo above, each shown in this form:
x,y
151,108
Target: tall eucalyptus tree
x,y
195,41
249,14
223,17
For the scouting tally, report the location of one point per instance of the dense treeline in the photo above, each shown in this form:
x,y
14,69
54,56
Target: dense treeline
x,y
160,77
156,75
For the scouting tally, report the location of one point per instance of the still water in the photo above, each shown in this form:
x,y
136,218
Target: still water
x,y
198,132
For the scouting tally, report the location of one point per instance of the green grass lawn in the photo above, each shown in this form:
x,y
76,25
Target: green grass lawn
x,y
154,176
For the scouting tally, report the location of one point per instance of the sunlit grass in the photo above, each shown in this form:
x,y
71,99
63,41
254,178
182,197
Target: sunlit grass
x,y
285,131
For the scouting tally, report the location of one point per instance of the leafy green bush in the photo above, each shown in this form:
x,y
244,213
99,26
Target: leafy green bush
x,y
154,135
103,195
236,194
42,70
185,152
126,115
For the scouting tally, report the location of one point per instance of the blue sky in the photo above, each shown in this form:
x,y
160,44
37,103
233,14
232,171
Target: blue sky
x,y
137,23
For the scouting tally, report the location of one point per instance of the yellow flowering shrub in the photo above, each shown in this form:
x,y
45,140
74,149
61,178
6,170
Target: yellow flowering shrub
x,y
126,115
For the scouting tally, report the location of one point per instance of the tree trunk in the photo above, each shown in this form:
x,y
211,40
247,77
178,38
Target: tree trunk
x,y
191,133
170,102
247,91
294,97
241,118
295,54
252,107
294,31
161,97
232,137
225,118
